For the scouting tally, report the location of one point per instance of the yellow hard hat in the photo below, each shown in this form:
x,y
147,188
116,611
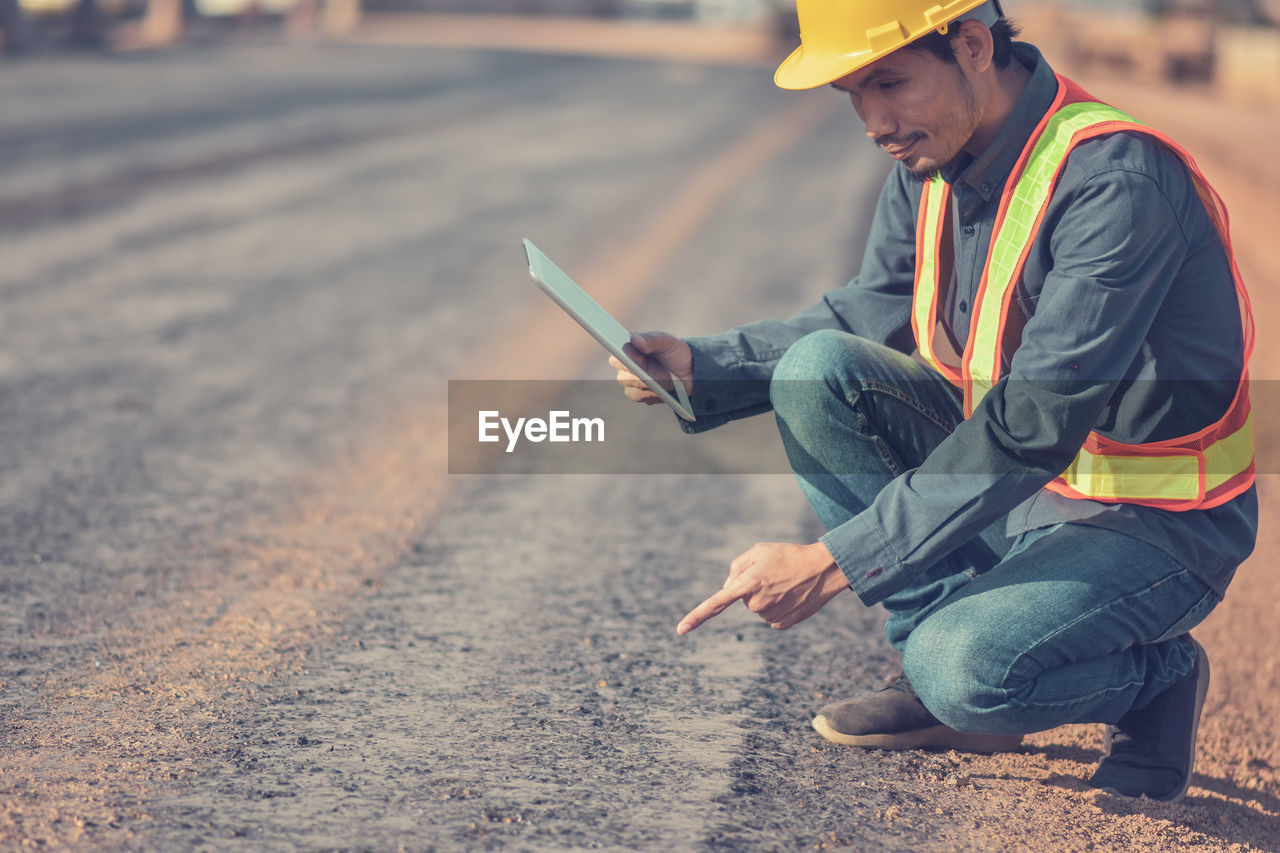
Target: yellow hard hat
x,y
837,37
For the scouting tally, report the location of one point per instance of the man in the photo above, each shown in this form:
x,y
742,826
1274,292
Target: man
x,y
1061,486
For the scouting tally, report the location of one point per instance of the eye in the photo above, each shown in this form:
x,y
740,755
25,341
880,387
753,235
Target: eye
x,y
888,85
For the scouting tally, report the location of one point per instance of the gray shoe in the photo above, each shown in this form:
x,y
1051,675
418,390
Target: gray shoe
x,y
894,718
1152,751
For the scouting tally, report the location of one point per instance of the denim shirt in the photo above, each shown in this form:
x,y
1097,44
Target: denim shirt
x,y
1131,328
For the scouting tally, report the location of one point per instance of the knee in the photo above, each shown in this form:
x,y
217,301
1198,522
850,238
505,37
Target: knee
x,y
813,356
807,392
835,358
960,671
812,370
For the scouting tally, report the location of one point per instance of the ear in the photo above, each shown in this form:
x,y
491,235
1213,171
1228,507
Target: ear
x,y
974,47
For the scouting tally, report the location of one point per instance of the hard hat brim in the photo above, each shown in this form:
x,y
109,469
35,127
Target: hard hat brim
x,y
806,71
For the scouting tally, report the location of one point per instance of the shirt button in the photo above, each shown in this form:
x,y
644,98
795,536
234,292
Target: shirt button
x,y
986,188
964,307
968,231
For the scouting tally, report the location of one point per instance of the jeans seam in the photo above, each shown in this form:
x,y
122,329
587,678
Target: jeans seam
x,y
1013,700
882,447
924,409
1079,700
886,456
1210,594
852,397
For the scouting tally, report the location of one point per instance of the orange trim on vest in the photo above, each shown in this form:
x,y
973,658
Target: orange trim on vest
x,y
926,339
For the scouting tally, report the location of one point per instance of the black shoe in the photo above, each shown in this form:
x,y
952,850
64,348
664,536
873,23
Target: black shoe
x,y
894,718
1152,751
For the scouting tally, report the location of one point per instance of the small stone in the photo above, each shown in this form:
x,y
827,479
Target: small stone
x,y
890,814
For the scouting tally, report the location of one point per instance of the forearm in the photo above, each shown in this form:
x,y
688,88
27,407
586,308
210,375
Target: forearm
x,y
1022,436
732,371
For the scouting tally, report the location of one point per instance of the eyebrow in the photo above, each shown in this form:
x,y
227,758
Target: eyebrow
x,y
872,78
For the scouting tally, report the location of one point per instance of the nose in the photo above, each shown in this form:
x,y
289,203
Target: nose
x,y
876,116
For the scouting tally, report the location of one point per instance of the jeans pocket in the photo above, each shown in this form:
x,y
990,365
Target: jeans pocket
x,y
1192,618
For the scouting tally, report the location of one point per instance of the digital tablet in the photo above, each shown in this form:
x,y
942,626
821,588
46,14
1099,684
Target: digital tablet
x,y
611,334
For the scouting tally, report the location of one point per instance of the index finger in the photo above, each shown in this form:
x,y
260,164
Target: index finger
x,y
713,606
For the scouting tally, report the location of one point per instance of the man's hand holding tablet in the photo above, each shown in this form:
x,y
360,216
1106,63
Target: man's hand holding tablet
x,y
660,355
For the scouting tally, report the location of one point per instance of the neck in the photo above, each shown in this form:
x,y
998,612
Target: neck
x,y
999,94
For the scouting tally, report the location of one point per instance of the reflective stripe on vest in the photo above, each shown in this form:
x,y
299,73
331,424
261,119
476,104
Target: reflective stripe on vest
x,y
934,205
1193,472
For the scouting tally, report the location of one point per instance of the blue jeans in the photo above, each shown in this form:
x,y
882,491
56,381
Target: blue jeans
x,y
1065,624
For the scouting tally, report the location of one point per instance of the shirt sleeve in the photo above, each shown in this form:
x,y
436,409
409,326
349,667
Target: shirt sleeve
x,y
731,371
1116,247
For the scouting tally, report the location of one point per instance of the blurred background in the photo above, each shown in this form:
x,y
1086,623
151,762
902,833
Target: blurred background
x,y
1180,39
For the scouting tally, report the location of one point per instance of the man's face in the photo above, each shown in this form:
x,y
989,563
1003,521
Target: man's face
x,y
917,108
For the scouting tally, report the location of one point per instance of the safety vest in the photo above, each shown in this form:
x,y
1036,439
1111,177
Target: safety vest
x,y
1198,471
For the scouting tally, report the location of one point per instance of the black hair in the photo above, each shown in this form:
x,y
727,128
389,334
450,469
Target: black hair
x,y
1003,32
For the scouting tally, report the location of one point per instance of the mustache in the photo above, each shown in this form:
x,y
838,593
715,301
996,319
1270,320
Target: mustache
x,y
898,141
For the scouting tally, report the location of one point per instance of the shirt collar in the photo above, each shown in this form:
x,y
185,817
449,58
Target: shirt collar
x,y
988,172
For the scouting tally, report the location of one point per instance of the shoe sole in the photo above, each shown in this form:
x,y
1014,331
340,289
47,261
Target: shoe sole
x,y
1202,689
934,736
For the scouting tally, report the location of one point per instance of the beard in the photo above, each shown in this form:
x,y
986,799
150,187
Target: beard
x,y
955,127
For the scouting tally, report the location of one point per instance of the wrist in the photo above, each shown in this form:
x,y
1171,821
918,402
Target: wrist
x,y
832,575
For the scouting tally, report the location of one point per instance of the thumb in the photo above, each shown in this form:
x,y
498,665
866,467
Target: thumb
x,y
647,342
651,346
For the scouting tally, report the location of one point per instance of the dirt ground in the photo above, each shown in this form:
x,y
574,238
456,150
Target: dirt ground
x,y
324,667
